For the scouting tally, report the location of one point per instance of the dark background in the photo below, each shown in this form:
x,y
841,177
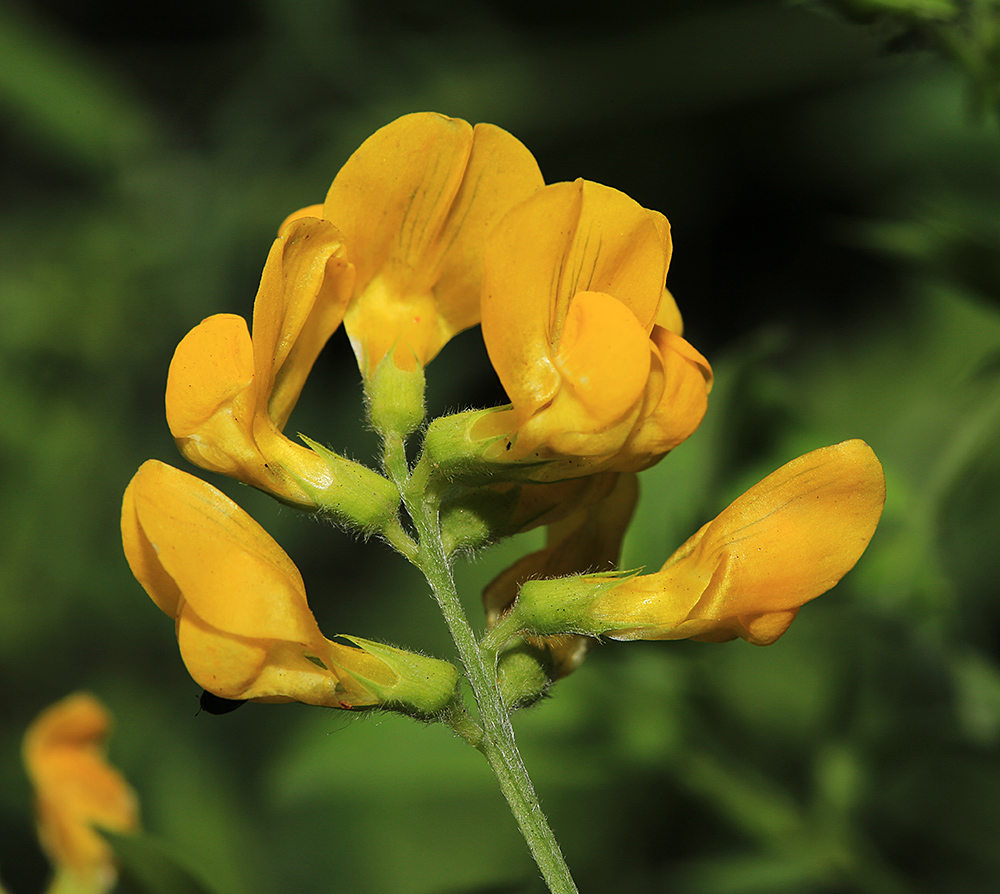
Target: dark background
x,y
834,192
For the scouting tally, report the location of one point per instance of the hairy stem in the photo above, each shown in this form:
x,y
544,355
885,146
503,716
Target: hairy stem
x,y
497,743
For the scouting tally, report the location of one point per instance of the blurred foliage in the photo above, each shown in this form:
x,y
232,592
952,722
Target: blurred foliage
x,y
836,216
965,31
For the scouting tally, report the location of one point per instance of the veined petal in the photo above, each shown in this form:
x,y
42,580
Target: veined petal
x,y
392,196
415,204
619,248
500,173
303,295
521,270
244,627
573,282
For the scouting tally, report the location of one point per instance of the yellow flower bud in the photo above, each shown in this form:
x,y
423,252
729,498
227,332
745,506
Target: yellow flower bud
x,y
76,790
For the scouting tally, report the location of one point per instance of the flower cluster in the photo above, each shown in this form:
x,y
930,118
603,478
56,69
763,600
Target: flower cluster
x,y
432,227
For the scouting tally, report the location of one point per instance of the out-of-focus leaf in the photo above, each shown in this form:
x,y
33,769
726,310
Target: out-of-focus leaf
x,y
147,866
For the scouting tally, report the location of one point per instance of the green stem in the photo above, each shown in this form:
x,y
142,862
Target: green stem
x,y
497,744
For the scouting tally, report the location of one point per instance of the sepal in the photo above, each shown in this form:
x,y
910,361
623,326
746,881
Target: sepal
x,y
561,605
476,517
422,686
462,448
396,396
523,675
355,495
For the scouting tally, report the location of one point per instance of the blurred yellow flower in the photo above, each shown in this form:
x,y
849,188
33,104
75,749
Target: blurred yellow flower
x,y
229,396
75,791
787,540
244,627
415,204
584,335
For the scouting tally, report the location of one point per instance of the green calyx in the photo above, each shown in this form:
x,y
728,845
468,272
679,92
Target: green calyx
x,y
357,496
456,453
557,606
424,687
523,674
395,397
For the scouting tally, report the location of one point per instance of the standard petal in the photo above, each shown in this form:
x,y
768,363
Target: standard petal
x,y
393,195
793,535
619,248
521,270
500,173
787,540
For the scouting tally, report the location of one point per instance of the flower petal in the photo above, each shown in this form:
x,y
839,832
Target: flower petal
x,y
521,269
211,367
228,570
787,540
304,290
76,789
500,173
392,196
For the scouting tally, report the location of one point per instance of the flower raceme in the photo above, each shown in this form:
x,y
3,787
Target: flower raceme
x,y
76,790
415,204
584,335
787,540
243,625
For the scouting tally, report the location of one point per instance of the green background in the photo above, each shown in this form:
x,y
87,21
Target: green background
x,y
833,183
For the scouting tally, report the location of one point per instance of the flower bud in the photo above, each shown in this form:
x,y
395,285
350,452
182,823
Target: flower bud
x,y
396,396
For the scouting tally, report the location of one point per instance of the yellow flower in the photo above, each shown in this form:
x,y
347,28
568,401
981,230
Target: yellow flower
x,y
584,336
244,627
76,790
787,540
589,539
415,204
229,396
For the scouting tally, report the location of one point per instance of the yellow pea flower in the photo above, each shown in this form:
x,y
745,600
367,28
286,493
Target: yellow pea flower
x,y
415,204
76,790
584,335
243,624
787,540
589,539
229,396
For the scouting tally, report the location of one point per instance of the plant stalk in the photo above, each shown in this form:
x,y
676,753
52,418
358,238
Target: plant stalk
x,y
497,744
